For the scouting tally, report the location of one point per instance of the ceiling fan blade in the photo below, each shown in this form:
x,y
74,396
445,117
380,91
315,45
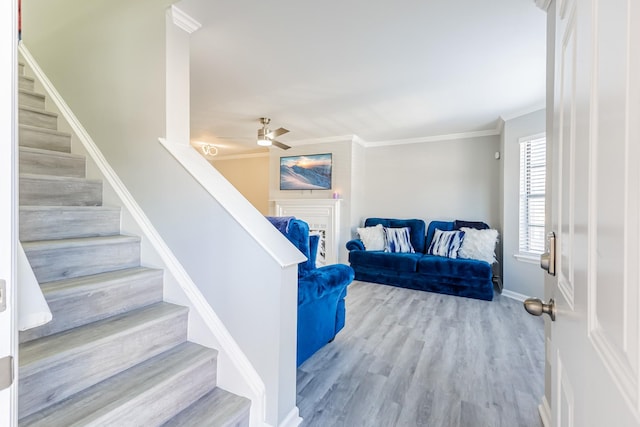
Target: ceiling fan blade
x,y
277,132
280,144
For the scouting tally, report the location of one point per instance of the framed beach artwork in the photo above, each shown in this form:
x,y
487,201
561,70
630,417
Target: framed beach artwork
x,y
306,172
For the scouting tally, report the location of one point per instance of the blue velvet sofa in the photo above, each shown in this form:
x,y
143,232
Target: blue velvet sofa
x,y
462,277
321,291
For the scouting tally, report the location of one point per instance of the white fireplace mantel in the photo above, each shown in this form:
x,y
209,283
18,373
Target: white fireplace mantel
x,y
323,217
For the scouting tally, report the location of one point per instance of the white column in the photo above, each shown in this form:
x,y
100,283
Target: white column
x,y
179,28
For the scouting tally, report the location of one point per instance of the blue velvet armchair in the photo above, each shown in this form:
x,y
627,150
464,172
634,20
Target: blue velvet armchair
x,y
321,291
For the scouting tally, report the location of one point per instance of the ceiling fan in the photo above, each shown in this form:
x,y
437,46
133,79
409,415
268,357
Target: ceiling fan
x,y
266,136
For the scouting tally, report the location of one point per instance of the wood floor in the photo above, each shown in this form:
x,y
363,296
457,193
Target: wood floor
x,y
412,358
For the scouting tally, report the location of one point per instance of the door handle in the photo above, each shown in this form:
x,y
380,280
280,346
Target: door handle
x,y
536,307
548,259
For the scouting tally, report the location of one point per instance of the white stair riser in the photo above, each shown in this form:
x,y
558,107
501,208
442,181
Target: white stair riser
x,y
96,301
25,83
52,163
31,99
75,260
56,379
44,139
45,192
48,223
41,119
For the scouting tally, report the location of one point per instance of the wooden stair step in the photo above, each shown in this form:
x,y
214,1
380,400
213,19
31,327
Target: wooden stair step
x,y
37,117
218,408
145,395
82,300
49,162
55,367
49,190
67,258
26,82
29,98
46,139
66,222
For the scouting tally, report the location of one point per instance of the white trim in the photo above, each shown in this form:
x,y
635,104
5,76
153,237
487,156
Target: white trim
x,y
545,412
532,137
241,156
198,303
292,419
435,138
543,4
33,310
327,140
9,195
528,258
523,112
418,140
182,20
514,295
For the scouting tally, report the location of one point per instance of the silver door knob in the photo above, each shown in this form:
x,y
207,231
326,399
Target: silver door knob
x,y
536,307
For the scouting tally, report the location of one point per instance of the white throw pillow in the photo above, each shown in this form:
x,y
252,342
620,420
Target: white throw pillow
x,y
479,244
372,237
446,243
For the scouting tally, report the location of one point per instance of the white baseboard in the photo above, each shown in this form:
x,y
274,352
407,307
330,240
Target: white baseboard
x,y
292,419
514,295
545,412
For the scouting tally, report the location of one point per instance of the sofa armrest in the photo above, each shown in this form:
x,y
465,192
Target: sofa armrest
x,y
355,245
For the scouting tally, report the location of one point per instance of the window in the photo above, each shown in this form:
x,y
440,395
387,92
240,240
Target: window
x,y
533,157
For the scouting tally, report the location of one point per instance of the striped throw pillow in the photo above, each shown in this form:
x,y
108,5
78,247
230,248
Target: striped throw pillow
x,y
398,240
446,243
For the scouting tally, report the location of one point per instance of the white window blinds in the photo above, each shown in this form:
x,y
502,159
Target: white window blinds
x,y
532,193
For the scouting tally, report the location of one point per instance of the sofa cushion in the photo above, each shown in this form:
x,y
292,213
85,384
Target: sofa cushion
x,y
417,227
449,267
401,262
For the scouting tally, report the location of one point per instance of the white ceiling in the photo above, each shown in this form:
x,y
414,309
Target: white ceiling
x,y
389,71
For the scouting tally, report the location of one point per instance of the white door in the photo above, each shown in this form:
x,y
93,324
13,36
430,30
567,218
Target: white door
x,y
8,185
594,351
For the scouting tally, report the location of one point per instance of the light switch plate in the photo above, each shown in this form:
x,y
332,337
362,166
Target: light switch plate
x,y
3,295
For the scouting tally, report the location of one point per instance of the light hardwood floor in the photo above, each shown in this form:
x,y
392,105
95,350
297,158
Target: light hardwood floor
x,y
412,358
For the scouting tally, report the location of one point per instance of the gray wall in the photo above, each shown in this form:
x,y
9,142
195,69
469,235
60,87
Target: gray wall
x,y
445,180
522,277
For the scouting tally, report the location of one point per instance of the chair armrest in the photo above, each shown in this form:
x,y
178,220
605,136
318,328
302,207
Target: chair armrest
x,y
324,281
355,245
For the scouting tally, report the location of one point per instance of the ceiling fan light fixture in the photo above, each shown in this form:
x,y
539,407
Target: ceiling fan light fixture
x,y
264,142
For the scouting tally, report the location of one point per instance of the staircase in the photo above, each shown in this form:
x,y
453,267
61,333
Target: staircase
x,y
115,354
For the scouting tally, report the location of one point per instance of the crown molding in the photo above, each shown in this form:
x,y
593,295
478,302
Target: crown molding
x,y
182,20
435,138
523,112
327,140
543,4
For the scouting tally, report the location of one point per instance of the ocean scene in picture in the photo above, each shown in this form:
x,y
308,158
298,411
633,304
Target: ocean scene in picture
x,y
311,172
